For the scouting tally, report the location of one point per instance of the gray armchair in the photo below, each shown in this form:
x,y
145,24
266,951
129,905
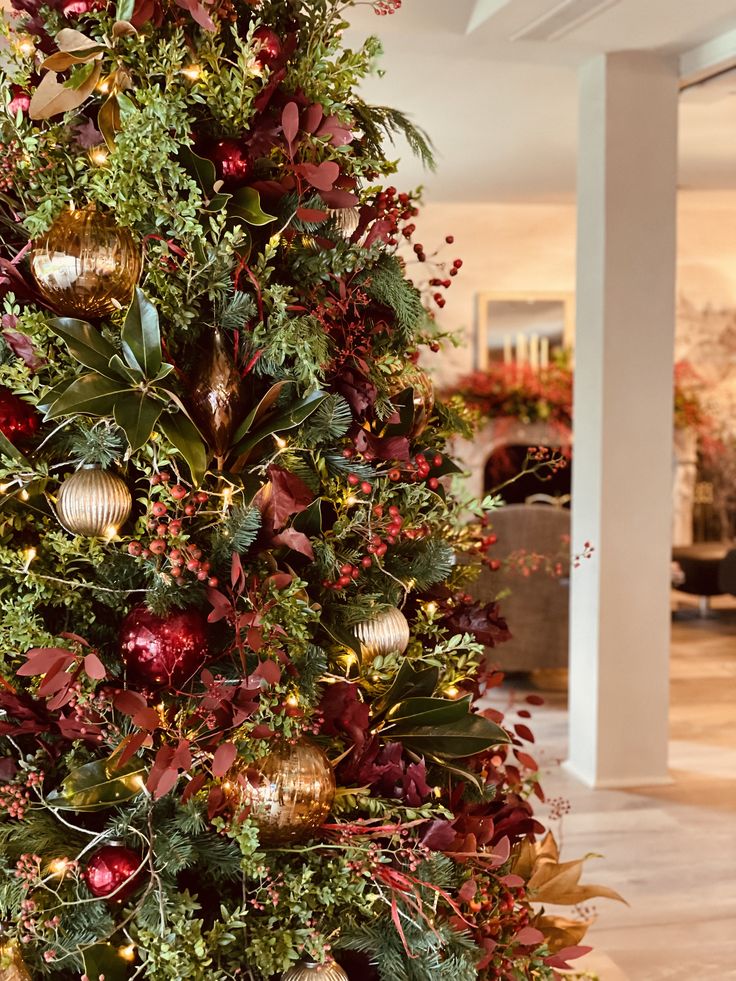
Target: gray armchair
x,y
537,605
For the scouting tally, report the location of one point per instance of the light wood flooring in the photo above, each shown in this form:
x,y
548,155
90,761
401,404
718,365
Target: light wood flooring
x,y
671,851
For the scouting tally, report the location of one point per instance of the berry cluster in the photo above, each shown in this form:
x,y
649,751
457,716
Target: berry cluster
x,y
386,7
15,797
165,522
393,209
420,470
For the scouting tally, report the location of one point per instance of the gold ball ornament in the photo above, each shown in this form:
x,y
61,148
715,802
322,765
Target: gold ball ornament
x,y
293,795
387,633
311,971
12,965
94,503
417,379
85,265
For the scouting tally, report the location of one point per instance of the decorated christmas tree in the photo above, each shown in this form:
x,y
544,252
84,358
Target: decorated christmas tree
x,y
239,730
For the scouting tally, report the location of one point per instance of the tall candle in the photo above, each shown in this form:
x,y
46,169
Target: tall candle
x,y
544,354
534,352
508,355
520,350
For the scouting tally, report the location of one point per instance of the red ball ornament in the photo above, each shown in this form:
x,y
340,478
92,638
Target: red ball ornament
x,y
232,163
111,873
19,421
163,650
270,46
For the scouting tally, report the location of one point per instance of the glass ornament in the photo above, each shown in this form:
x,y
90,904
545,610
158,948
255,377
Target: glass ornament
x,y
311,971
387,633
85,265
94,503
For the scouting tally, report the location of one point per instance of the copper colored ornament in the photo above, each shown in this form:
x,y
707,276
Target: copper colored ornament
x,y
269,46
163,650
311,971
415,378
111,872
93,502
217,400
387,633
12,965
19,421
293,796
346,219
86,265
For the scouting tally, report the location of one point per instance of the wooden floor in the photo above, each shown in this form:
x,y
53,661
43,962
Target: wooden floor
x,y
671,851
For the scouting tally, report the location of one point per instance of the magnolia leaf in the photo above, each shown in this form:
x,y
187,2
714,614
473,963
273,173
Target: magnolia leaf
x,y
91,395
124,9
85,344
288,418
428,711
74,42
104,961
453,740
259,410
7,449
99,785
342,636
560,932
410,682
551,882
463,773
108,119
120,369
202,169
246,204
123,28
141,336
184,435
137,413
52,97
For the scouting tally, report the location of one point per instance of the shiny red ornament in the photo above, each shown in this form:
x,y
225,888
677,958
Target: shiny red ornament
x,y
270,46
19,421
232,163
163,650
111,873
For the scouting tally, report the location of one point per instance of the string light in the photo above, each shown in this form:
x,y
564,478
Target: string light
x,y
110,532
4,488
59,867
452,692
431,608
127,953
24,495
26,46
192,72
29,555
227,499
352,500
99,156
104,86
281,443
292,701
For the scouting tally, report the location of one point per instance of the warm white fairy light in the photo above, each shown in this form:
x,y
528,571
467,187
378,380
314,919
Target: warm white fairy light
x,y
431,608
127,953
192,72
26,46
111,532
292,701
452,692
24,495
99,156
281,443
59,867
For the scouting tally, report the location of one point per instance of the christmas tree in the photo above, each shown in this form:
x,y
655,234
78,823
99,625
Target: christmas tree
x,y
239,726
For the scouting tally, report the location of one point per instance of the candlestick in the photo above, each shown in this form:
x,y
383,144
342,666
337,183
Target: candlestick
x,y
544,353
520,350
534,352
508,355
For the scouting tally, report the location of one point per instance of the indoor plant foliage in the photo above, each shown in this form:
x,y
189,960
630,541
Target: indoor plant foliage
x,y
263,476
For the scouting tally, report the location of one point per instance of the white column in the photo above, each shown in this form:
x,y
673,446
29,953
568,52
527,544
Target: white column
x,y
622,480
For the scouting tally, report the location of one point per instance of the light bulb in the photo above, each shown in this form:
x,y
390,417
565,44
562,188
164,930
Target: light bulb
x,y
127,953
192,72
99,156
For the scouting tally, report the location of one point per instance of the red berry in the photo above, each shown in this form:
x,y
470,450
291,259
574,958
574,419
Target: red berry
x,y
344,581
381,549
196,553
176,571
146,553
453,272
178,492
390,539
449,239
366,562
193,565
156,479
434,346
206,566
176,555
366,487
135,548
348,453
162,530
420,458
165,477
159,509
213,581
394,474
201,498
494,564
346,569
354,572
157,546
457,264
353,479
433,483
378,510
202,575
175,527
189,510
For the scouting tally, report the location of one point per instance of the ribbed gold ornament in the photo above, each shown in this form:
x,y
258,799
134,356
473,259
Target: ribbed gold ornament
x,y
416,378
217,397
311,971
85,264
294,794
12,965
387,633
346,219
94,503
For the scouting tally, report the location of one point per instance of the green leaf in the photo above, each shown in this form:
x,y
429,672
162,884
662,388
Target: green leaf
x,y
454,740
124,9
104,961
123,370
342,636
7,449
108,119
90,395
410,682
85,344
184,435
202,169
137,413
141,336
462,772
280,421
428,711
98,785
246,204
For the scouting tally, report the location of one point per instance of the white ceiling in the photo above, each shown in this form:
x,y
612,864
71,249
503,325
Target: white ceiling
x,y
503,113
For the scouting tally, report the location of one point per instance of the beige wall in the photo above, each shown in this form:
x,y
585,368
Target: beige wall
x,y
531,247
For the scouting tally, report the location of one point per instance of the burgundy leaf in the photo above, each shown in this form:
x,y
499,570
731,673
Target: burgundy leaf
x,y
312,117
290,121
529,936
526,760
321,176
269,671
223,759
129,702
193,787
42,659
295,540
21,346
524,732
339,134
94,667
167,782
132,744
222,606
311,215
339,199
289,495
561,958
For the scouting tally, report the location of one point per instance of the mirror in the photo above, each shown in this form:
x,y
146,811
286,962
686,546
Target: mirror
x,y
523,328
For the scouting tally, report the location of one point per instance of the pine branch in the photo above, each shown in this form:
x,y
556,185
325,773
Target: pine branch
x,y
380,122
386,284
